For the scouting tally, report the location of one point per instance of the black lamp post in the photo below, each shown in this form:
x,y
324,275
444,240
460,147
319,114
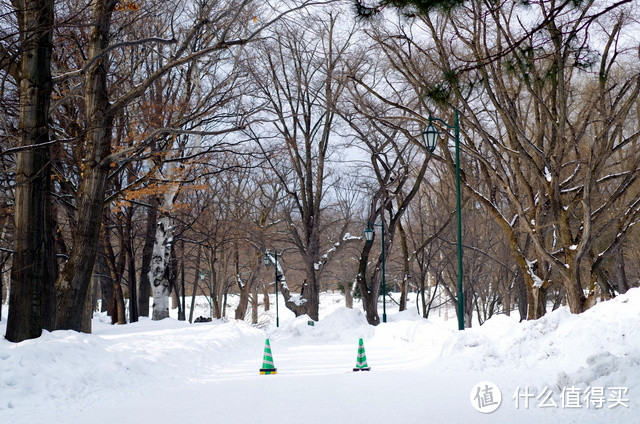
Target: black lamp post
x,y
368,234
430,136
267,261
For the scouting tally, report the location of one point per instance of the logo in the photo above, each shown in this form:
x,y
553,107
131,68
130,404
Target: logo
x,y
485,397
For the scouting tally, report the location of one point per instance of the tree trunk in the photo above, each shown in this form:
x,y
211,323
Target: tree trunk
x,y
105,283
537,300
116,270
174,287
118,299
131,267
245,287
423,300
194,289
348,295
623,282
2,295
74,280
368,292
243,303
158,275
214,288
133,292
144,291
265,297
34,270
468,309
405,267
370,306
522,296
181,301
573,287
254,305
311,289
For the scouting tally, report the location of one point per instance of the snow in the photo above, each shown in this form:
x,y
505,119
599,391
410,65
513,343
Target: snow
x,y
348,236
170,371
537,281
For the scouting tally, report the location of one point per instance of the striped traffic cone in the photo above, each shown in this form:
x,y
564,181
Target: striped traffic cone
x,y
361,361
267,360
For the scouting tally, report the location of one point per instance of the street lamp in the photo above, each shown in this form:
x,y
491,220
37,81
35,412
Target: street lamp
x,y
368,234
430,136
267,261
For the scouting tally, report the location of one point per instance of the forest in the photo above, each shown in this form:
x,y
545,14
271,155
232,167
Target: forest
x,y
167,149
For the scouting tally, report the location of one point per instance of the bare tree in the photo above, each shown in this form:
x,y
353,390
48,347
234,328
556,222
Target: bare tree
x,y
225,27
34,264
551,174
297,77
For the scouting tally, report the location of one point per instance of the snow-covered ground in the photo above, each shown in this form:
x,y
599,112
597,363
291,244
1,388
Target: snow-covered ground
x,y
421,371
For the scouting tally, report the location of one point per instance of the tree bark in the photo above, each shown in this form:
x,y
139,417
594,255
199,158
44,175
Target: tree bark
x,y
348,295
162,247
73,282
131,267
537,302
34,270
405,267
181,300
369,294
265,297
173,269
194,289
158,274
116,269
144,291
245,287
623,282
105,283
254,305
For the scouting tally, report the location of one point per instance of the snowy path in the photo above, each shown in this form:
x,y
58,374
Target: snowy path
x,y
168,372
313,381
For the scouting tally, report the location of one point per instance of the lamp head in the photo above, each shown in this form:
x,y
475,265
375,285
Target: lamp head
x,y
368,234
430,137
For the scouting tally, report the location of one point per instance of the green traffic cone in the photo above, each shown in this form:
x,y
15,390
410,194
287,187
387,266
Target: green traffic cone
x,y
361,361
267,360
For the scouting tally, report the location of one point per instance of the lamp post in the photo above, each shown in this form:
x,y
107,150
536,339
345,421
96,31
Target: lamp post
x,y
267,261
430,136
368,234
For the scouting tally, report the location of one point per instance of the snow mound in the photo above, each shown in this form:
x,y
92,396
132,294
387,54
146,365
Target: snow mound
x,y
61,366
341,324
600,346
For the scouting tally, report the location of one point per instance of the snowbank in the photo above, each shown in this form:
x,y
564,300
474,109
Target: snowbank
x,y
62,369
64,366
